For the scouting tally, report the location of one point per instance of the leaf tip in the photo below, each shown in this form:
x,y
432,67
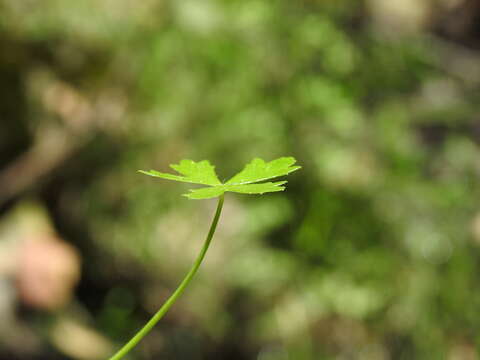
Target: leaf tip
x,y
145,172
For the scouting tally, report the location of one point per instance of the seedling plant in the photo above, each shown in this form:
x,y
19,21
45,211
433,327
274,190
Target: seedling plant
x,y
251,180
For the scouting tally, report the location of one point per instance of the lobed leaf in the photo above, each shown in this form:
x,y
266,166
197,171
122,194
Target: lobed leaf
x,y
257,188
201,172
259,170
245,182
214,191
205,193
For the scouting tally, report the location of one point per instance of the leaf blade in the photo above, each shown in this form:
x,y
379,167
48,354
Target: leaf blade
x,y
256,188
246,181
205,193
201,172
166,176
259,170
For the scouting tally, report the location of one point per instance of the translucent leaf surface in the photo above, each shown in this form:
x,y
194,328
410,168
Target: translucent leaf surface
x,y
193,172
214,191
245,182
257,188
206,193
259,170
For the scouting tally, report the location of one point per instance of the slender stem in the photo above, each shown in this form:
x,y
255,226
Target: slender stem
x,y
171,300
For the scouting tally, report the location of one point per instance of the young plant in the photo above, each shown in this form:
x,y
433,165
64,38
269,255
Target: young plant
x,y
248,181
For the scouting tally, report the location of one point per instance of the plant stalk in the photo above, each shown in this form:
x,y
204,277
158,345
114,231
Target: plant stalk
x,y
180,289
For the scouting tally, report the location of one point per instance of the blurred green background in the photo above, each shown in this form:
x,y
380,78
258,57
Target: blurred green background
x,y
371,253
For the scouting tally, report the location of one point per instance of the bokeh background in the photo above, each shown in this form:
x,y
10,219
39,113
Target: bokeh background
x,y
371,253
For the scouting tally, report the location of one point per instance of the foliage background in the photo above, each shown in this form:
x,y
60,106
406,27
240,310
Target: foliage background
x,y
371,253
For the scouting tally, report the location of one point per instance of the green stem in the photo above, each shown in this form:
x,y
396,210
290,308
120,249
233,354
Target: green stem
x,y
171,300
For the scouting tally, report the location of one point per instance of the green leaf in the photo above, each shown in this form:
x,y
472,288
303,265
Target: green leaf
x,y
257,188
259,170
206,193
194,172
214,191
245,182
